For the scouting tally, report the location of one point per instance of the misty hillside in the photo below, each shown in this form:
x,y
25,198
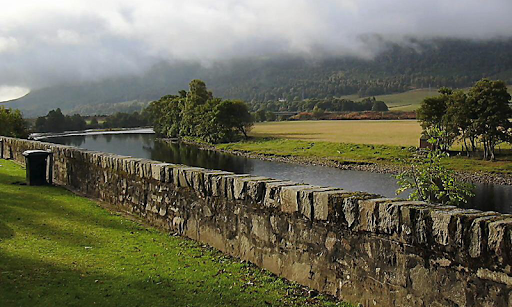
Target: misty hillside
x,y
398,68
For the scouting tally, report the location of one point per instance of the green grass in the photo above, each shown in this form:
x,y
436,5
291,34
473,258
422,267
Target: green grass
x,y
342,152
58,249
362,153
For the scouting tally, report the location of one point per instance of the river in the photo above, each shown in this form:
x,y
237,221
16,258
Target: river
x,y
143,144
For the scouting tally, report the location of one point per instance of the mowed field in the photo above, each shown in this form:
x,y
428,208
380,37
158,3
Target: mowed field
x,y
392,132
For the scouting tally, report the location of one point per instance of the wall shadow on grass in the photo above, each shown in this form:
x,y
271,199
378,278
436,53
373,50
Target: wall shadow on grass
x,y
31,282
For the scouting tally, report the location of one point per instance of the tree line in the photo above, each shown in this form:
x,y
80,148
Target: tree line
x,y
327,104
12,123
198,114
56,121
480,117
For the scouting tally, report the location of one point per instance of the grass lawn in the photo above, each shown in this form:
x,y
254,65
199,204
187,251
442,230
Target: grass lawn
x,y
342,152
375,132
58,249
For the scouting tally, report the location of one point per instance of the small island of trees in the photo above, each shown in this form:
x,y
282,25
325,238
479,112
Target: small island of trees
x,y
198,114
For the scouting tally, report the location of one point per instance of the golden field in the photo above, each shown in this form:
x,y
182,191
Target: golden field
x,y
382,132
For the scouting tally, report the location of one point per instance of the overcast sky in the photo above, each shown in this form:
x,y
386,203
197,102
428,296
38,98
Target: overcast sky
x,y
48,42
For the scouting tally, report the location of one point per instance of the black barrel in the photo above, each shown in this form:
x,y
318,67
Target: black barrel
x,y
36,162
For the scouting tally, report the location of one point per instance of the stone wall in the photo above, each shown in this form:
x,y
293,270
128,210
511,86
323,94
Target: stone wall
x,y
376,251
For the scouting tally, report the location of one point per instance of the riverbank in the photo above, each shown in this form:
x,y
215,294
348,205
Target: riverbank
x,y
59,249
360,157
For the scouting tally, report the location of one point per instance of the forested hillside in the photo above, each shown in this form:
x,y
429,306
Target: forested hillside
x,y
398,68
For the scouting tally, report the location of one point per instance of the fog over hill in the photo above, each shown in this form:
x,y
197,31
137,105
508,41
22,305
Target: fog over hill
x,y
71,53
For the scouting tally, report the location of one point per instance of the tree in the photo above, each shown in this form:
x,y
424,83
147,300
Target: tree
x,y
55,121
431,114
490,102
198,114
234,115
379,106
12,123
458,119
94,123
40,124
260,115
430,181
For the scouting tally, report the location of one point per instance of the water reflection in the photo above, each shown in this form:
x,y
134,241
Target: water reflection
x,y
488,197
192,155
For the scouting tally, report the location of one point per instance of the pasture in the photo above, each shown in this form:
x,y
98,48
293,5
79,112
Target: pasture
x,y
407,101
385,132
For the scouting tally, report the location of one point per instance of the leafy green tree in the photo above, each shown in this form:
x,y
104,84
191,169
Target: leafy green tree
x,y
490,103
260,115
198,114
40,125
429,181
234,115
458,119
271,116
165,114
379,106
431,114
94,123
12,123
55,121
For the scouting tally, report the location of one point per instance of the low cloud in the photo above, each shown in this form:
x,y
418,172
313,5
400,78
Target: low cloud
x,y
49,42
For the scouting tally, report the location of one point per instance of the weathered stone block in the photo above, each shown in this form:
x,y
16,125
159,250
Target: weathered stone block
x,y
158,171
289,197
240,185
231,189
255,189
216,183
325,202
273,193
499,239
369,213
306,200
444,225
477,239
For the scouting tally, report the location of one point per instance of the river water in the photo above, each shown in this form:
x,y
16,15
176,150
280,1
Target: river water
x,y
488,197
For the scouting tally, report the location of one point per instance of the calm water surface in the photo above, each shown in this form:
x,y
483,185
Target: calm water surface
x,y
488,197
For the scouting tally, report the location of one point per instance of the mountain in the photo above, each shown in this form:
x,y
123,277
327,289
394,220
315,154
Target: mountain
x,y
397,68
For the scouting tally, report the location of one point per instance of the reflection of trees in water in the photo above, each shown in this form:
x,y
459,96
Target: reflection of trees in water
x,y
108,138
489,197
193,156
76,140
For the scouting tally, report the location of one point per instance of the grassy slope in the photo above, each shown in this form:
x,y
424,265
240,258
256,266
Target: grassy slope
x,y
58,249
407,101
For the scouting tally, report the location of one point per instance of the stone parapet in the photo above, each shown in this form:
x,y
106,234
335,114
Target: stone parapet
x,y
356,246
